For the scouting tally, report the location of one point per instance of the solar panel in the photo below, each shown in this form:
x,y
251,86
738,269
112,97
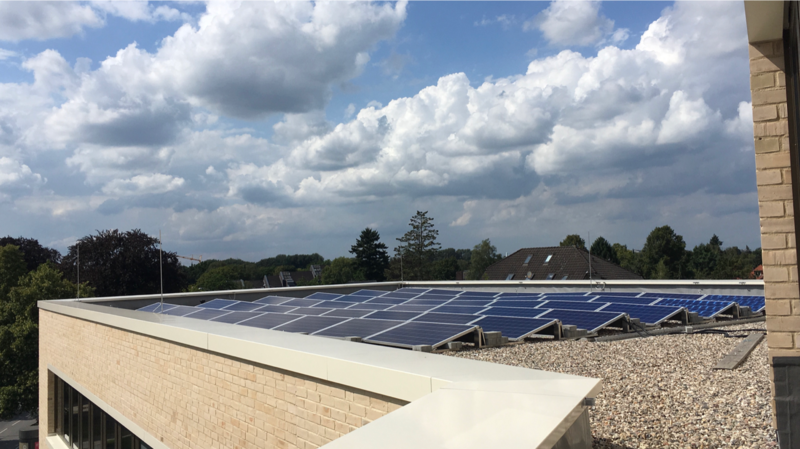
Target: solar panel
x,y
458,309
333,304
449,318
507,303
616,293
235,317
478,294
217,303
276,309
268,320
179,311
156,307
513,328
369,293
309,311
439,297
626,300
647,314
243,306
505,294
570,305
273,300
324,296
470,302
310,324
425,302
411,290
405,308
706,309
385,300
389,315
352,298
671,295
358,327
206,314
756,303
365,306
415,333
573,298
519,312
565,294
583,319
400,295
348,313
520,298
302,302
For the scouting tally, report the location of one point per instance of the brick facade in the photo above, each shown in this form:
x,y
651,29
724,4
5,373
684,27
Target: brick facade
x,y
189,398
775,197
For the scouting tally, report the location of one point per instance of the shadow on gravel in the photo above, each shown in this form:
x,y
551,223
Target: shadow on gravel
x,y
602,443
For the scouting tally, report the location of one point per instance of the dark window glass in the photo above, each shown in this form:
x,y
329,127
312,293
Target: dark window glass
x,y
97,428
111,432
144,446
126,438
85,435
75,418
65,393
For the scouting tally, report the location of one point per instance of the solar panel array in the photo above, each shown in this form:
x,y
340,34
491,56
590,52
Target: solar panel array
x,y
416,316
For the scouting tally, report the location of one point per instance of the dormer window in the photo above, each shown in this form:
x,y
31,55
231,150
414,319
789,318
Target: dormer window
x,y
550,256
527,259
565,277
550,277
510,276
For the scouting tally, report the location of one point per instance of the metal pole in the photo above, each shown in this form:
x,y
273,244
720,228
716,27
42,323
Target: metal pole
x,y
591,287
161,267
78,268
401,267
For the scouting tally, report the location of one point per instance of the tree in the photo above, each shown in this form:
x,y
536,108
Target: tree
x,y
602,249
444,269
705,258
573,240
118,263
628,258
370,254
19,337
341,271
483,255
218,278
12,268
663,245
33,253
419,247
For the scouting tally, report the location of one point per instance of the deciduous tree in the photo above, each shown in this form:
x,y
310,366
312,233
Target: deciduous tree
x,y
603,249
483,255
573,240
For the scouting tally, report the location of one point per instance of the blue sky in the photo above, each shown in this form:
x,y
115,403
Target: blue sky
x,y
248,130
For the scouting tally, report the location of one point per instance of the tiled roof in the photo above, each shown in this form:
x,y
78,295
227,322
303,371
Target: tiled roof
x,y
564,261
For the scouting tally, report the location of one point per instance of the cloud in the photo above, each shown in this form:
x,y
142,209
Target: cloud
x,y
15,175
44,20
504,20
136,11
393,65
579,23
6,54
143,184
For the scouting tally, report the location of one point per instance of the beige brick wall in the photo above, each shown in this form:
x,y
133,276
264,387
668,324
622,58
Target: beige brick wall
x,y
189,398
775,197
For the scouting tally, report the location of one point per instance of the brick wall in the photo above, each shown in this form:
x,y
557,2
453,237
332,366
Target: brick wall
x,y
189,398
775,197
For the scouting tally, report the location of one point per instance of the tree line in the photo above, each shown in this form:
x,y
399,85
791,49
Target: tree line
x,y
664,256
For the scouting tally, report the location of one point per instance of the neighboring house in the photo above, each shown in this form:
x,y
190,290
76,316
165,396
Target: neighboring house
x,y
555,263
757,273
292,278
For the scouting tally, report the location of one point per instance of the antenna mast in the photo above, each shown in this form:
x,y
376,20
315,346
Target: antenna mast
x,y
591,287
78,268
161,267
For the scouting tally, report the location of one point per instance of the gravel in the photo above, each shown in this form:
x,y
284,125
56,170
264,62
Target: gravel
x,y
661,392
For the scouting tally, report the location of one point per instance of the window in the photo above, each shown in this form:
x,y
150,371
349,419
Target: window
x,y
83,425
527,259
550,276
510,276
565,277
549,256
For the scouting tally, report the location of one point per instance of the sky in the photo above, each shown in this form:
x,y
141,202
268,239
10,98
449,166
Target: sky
x,y
253,129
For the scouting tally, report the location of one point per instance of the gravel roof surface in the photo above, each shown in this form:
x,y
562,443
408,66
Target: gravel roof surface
x,y
661,392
